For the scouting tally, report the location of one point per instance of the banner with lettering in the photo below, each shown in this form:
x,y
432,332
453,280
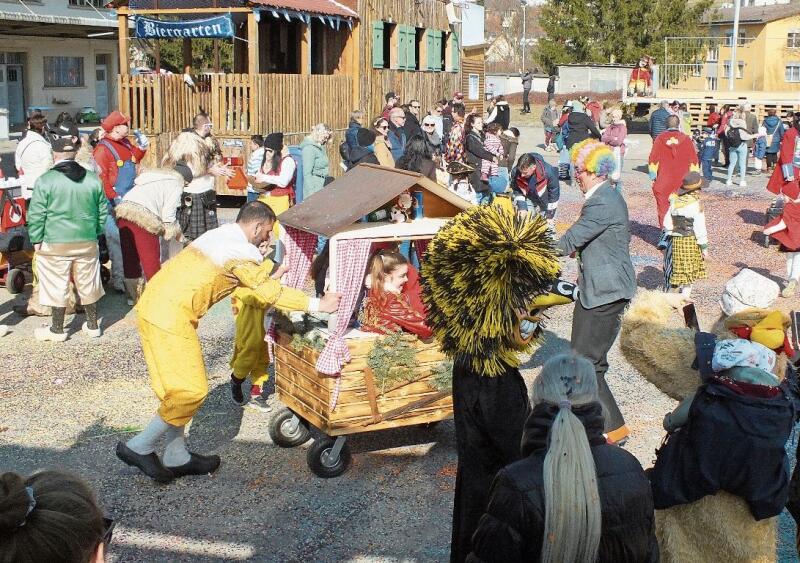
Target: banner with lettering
x,y
219,27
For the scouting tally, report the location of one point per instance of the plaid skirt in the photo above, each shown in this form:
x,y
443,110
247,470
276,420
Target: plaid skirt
x,y
683,262
198,214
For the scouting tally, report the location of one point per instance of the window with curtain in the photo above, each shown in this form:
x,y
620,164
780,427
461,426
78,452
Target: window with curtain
x,y
793,72
63,72
793,40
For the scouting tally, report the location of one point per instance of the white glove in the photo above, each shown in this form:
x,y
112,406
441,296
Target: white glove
x,y
143,141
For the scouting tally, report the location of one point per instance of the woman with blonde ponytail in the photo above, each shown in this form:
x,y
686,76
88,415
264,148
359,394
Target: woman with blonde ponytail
x,y
573,498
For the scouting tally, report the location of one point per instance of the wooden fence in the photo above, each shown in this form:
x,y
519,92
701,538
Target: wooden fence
x,y
238,104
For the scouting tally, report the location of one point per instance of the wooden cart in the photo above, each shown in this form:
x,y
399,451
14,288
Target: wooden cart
x,y
361,405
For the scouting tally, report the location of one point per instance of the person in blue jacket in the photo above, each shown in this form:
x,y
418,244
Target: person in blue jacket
x,y
775,131
658,120
534,185
707,151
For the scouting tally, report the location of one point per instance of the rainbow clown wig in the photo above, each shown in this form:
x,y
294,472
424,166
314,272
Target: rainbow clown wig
x,y
481,267
594,157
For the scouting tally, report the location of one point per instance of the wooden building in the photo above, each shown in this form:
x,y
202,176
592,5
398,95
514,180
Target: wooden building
x,y
296,63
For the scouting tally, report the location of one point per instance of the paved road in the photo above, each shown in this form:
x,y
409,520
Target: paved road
x,y
67,405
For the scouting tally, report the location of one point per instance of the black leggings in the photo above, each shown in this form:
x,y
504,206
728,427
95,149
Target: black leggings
x,y
772,159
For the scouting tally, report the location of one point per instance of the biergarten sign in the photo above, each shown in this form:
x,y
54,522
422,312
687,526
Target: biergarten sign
x,y
219,27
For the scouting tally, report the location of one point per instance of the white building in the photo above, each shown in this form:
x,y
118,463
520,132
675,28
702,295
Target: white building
x,y
57,55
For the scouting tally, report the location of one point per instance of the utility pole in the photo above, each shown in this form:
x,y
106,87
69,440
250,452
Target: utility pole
x,y
734,63
524,38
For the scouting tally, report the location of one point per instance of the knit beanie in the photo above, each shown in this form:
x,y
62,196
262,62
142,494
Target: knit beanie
x,y
365,137
594,157
274,142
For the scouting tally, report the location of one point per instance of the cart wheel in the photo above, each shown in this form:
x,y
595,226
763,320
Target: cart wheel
x,y
323,459
288,430
105,275
15,281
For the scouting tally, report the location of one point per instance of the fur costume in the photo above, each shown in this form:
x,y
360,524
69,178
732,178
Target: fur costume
x,y
654,340
481,269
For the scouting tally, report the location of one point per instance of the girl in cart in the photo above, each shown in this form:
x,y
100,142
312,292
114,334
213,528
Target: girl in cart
x,y
387,308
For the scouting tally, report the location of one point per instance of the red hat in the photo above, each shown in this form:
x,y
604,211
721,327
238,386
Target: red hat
x,y
458,96
113,119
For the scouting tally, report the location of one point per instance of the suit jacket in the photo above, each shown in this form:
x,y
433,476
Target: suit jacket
x,y
602,237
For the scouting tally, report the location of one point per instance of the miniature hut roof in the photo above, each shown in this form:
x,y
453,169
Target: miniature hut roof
x,y
362,190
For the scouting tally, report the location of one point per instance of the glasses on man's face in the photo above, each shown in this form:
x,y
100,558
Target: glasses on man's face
x,y
108,527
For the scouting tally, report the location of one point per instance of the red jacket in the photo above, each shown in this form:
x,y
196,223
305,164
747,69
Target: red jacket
x,y
107,164
388,313
672,156
777,183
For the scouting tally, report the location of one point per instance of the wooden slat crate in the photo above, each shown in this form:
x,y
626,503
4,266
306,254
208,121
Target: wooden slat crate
x,y
361,406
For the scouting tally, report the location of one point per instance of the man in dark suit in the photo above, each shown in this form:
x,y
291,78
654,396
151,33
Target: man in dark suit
x,y
601,237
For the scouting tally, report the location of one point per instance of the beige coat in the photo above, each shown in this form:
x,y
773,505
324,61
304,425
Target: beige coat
x,y
383,152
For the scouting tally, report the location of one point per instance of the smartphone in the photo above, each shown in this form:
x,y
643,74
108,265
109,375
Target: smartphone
x,y
690,317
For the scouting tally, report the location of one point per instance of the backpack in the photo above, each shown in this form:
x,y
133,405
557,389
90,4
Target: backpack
x,y
297,155
734,137
344,152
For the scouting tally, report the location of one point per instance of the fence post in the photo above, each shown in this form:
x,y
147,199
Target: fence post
x,y
215,104
158,92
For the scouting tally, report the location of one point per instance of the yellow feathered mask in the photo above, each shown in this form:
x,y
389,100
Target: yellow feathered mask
x,y
480,270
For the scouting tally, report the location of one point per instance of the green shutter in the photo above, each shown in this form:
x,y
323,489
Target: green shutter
x,y
377,44
402,47
454,47
411,47
429,50
437,49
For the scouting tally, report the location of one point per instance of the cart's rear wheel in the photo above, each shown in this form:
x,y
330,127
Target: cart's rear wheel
x,y
328,457
288,430
15,281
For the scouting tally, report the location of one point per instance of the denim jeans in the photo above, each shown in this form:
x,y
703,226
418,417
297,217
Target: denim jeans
x,y
707,172
738,156
499,183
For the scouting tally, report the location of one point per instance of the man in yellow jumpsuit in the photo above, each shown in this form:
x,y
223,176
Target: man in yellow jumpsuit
x,y
169,310
250,358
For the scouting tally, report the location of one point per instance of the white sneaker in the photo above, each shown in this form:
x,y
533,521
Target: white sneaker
x,y
3,330
742,184
729,183
44,334
92,332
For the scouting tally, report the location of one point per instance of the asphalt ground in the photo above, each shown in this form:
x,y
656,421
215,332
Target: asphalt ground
x,y
66,406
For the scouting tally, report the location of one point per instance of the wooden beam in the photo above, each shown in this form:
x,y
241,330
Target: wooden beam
x,y
187,55
124,64
157,55
252,44
305,49
176,11
354,48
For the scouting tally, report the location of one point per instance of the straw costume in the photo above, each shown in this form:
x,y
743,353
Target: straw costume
x,y
481,269
686,236
736,487
169,310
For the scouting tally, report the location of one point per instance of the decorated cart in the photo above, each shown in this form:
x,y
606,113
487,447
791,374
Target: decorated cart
x,y
338,379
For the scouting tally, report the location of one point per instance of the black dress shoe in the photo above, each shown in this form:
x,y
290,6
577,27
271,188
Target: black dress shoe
x,y
198,465
149,464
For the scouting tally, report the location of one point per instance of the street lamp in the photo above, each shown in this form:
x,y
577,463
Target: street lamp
x,y
734,65
524,39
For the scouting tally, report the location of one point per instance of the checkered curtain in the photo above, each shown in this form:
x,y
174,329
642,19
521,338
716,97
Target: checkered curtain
x,y
350,263
300,247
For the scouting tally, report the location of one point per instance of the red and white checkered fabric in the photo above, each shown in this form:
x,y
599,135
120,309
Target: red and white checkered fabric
x,y
350,263
300,247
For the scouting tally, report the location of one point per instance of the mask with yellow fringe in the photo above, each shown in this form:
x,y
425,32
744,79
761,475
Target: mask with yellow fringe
x,y
480,270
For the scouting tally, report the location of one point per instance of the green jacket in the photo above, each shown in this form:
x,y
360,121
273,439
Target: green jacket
x,y
68,205
316,166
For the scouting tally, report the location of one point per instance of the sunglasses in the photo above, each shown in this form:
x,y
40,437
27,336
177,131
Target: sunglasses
x,y
428,124
108,527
